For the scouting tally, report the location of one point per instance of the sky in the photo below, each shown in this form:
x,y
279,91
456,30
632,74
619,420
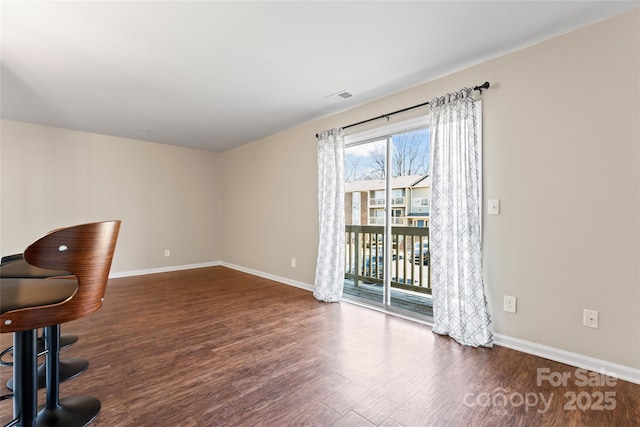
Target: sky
x,y
359,160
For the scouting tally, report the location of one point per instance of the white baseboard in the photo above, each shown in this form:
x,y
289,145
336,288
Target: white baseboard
x,y
573,359
273,277
162,269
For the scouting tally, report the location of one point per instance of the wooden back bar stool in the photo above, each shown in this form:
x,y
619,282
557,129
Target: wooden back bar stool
x,y
28,304
14,266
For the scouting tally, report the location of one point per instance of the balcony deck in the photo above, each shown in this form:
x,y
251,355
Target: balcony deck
x,y
409,267
413,302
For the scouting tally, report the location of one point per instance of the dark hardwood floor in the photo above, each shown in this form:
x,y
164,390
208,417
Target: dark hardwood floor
x,y
216,347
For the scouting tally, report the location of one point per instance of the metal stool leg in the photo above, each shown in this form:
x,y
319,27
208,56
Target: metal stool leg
x,y
24,370
68,368
72,411
66,340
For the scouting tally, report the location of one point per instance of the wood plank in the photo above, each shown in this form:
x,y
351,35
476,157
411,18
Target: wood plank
x,y
217,347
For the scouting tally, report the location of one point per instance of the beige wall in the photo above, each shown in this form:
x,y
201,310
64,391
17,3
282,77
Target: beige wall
x,y
562,152
270,205
167,197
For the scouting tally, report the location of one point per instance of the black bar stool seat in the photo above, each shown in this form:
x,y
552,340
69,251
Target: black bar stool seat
x,y
19,268
22,293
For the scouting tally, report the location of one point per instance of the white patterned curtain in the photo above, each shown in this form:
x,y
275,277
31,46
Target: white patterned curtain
x,y
329,279
459,303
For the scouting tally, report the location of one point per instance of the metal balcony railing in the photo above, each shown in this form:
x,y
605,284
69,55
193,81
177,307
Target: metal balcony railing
x,y
410,266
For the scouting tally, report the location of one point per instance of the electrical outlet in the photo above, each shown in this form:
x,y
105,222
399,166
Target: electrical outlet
x,y
293,262
167,252
509,304
590,318
494,206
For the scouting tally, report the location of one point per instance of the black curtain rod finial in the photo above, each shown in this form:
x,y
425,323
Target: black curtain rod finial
x,y
485,85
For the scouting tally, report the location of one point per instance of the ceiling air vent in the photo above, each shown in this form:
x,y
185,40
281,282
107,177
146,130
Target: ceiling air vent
x,y
338,96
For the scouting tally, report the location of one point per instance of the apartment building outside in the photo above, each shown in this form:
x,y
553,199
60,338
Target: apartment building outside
x,y
365,201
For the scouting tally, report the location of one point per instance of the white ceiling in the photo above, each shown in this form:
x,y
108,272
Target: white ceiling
x,y
215,75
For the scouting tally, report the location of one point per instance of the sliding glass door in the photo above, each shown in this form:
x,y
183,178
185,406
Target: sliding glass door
x,y
387,215
365,201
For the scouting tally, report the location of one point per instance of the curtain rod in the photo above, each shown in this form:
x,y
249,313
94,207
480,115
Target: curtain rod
x,y
479,88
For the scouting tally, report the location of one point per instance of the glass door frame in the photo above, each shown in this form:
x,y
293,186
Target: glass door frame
x,y
378,134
